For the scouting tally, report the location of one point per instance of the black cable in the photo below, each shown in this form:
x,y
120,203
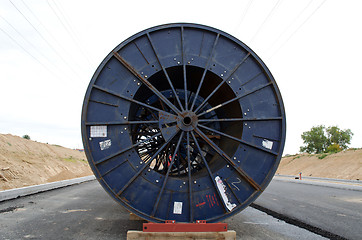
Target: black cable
x,y
68,29
48,32
31,55
292,22
27,41
266,19
51,47
300,26
244,14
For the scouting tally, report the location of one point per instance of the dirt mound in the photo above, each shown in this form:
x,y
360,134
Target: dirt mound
x,y
343,165
25,162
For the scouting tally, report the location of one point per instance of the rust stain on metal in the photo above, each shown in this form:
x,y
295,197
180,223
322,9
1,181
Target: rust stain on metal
x,y
240,171
124,199
213,136
144,81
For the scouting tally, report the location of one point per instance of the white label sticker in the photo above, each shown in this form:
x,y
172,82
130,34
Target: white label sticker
x,y
105,144
267,144
177,208
222,189
98,131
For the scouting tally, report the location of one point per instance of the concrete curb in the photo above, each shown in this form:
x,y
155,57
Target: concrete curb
x,y
24,191
323,183
320,178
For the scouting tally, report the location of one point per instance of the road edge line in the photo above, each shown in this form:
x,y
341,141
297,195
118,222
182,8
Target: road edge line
x,y
298,223
343,186
25,191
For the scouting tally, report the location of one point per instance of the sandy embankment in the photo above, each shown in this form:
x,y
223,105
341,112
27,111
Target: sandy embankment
x,y
25,162
343,165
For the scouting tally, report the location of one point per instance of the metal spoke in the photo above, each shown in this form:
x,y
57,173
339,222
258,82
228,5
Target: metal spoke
x,y
146,82
104,103
228,159
206,67
234,99
113,168
126,98
238,119
209,171
167,175
144,166
232,191
127,148
184,65
189,175
153,114
251,79
163,107
121,123
164,71
239,140
217,88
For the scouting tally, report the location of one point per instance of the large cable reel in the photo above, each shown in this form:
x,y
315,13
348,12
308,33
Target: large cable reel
x,y
183,122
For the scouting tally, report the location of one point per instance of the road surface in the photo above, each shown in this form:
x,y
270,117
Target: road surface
x,y
338,211
85,211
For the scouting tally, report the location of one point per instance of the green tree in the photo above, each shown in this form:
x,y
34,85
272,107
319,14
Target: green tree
x,y
321,139
334,148
339,137
26,136
315,140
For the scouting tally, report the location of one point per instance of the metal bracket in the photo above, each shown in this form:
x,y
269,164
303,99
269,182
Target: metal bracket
x,y
172,226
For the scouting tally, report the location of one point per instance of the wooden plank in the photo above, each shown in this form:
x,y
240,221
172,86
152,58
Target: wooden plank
x,y
139,235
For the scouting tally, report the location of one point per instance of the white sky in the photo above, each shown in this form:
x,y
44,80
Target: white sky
x,y
313,49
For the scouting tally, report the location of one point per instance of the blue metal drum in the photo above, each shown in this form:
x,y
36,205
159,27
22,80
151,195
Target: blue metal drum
x,y
183,122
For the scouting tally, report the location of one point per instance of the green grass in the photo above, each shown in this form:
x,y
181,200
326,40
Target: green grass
x,y
296,157
323,155
74,160
70,159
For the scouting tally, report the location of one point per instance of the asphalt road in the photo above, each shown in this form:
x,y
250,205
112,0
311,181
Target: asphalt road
x,y
85,211
338,211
